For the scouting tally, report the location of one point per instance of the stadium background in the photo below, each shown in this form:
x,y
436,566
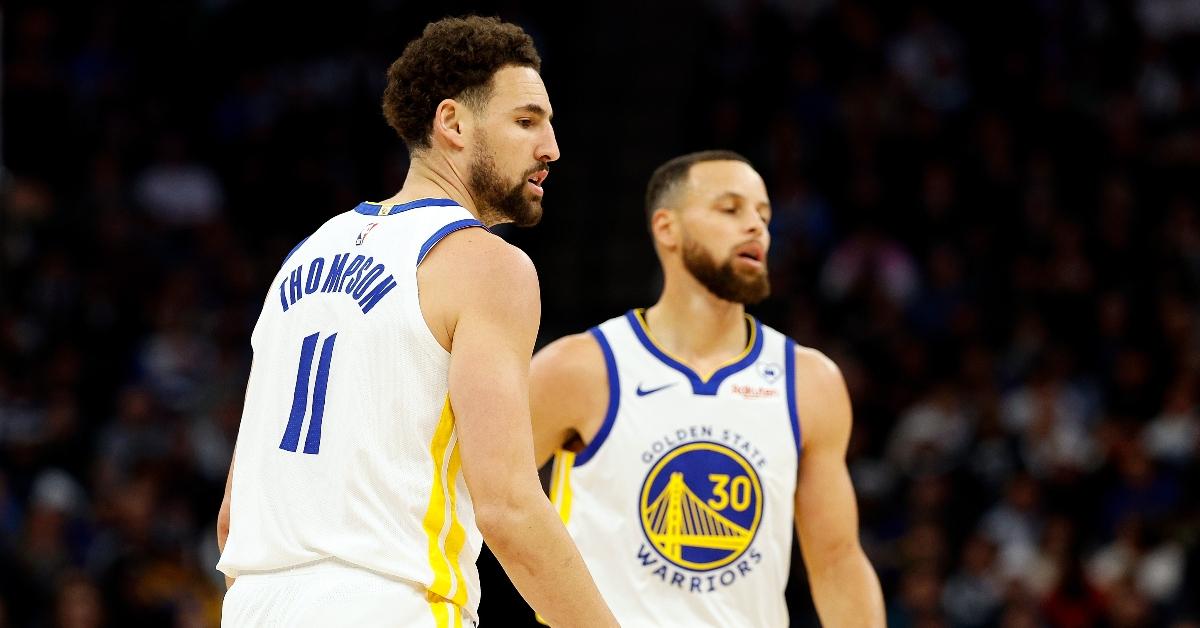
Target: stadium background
x,y
985,212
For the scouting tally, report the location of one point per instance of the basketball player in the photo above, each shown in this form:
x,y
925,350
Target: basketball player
x,y
386,428
700,435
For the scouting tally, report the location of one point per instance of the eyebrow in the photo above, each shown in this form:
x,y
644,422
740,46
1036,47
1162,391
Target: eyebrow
x,y
535,109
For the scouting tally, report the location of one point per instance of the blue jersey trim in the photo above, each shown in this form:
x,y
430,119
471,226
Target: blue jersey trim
x,y
294,249
699,386
443,232
789,369
375,209
614,399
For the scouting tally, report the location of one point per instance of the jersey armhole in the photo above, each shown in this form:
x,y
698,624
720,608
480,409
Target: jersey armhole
x,y
614,399
789,360
413,309
437,236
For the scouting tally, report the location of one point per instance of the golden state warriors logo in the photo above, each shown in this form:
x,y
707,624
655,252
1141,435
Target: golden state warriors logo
x,y
701,505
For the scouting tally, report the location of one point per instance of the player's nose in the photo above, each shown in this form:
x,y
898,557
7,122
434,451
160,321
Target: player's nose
x,y
547,149
753,223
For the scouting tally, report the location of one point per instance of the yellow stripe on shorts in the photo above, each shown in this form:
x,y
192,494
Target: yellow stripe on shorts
x,y
445,613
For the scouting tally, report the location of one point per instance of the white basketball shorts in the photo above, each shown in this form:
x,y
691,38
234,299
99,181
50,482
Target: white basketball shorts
x,y
334,593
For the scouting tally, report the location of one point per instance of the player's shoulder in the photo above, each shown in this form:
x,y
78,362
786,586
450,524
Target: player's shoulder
x,y
579,353
480,245
474,270
477,258
815,371
815,360
570,368
822,398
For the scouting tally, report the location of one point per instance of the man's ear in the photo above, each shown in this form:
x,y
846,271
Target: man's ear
x,y
664,226
450,123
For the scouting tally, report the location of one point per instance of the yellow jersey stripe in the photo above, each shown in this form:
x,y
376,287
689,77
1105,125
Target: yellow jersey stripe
x,y
554,477
457,537
560,490
435,514
441,612
641,317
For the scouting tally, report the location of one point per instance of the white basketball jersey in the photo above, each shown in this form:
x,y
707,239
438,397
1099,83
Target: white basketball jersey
x,y
682,504
347,446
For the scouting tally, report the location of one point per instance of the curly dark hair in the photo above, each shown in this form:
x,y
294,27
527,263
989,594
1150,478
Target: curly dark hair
x,y
453,58
667,177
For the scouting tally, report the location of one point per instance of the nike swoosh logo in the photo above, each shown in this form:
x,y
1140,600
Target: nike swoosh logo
x,y
643,393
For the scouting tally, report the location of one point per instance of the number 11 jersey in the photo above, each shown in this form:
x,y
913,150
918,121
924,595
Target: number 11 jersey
x,y
347,447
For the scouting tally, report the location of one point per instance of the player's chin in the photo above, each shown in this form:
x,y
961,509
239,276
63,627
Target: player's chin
x,y
754,289
531,215
754,295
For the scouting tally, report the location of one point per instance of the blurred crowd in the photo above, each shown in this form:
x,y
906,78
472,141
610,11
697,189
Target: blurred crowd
x,y
985,213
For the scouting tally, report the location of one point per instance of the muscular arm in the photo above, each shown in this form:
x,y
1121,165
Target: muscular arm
x,y
568,393
494,310
845,588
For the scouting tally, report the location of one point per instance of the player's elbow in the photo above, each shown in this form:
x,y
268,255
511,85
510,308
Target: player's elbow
x,y
836,558
496,519
502,516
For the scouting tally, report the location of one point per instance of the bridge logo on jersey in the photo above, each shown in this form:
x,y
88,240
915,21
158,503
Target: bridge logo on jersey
x,y
701,505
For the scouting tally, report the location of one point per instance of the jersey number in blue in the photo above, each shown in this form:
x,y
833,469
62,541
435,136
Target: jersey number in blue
x,y
291,436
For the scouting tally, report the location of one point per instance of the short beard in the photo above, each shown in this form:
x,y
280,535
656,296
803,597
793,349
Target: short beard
x,y
722,280
497,204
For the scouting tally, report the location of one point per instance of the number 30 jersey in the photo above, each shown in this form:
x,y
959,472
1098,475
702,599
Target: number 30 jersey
x,y
347,447
682,505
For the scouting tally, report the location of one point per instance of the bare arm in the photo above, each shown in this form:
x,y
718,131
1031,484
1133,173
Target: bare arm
x,y
223,515
494,318
845,588
568,393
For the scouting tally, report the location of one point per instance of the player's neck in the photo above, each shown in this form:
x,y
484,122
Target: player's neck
x,y
426,180
696,326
